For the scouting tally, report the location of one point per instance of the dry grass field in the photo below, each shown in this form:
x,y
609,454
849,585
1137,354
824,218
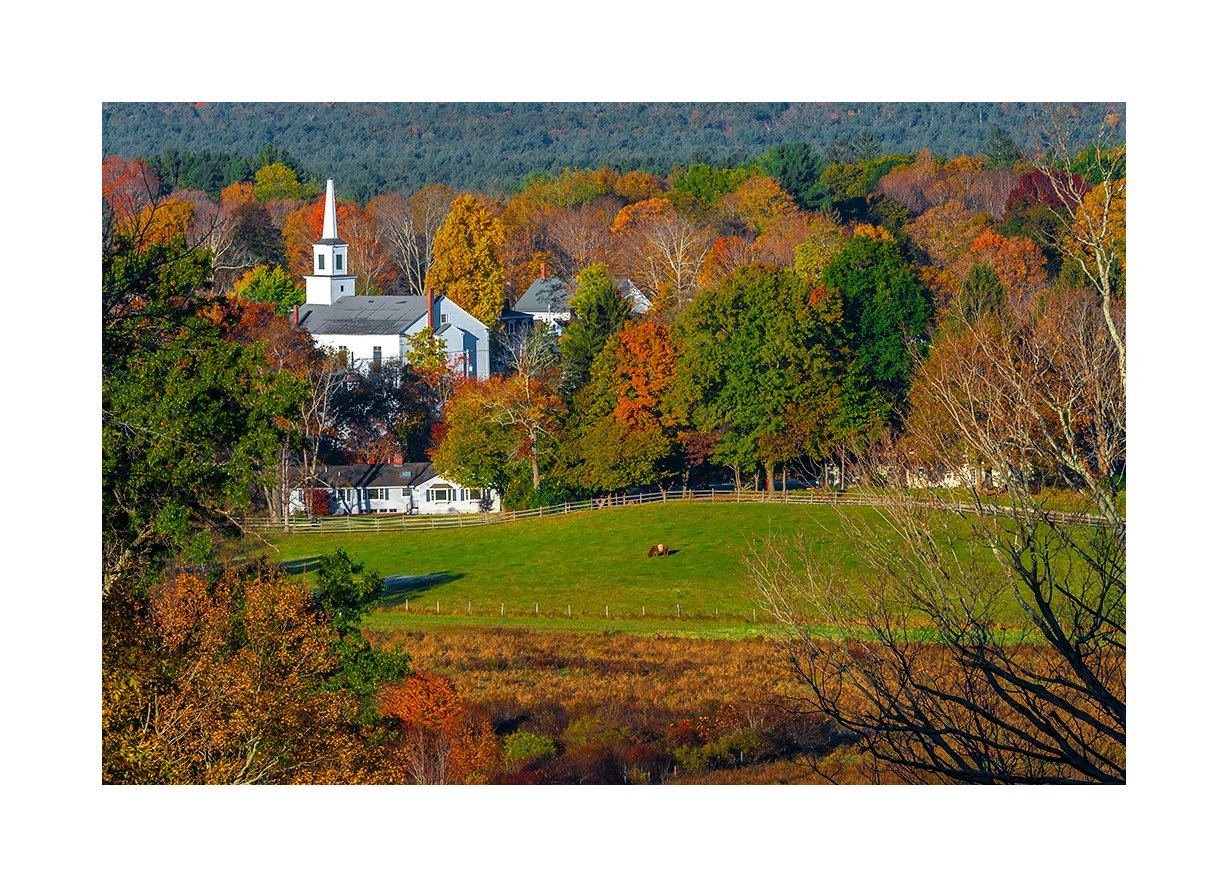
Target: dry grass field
x,y
624,708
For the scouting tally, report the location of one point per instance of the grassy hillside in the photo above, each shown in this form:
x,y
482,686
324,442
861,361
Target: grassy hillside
x,y
590,561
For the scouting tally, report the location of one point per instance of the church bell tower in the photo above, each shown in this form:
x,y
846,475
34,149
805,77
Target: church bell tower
x,y
330,278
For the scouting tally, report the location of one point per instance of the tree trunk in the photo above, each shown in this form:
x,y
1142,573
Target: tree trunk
x,y
770,477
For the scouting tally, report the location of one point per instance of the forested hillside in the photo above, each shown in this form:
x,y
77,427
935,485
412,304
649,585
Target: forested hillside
x,y
491,147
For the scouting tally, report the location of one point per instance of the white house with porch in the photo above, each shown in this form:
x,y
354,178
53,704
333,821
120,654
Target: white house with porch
x,y
390,488
376,328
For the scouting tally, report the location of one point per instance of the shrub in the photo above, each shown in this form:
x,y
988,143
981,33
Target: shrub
x,y
526,747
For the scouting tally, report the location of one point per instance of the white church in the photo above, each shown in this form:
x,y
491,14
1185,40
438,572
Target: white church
x,y
375,328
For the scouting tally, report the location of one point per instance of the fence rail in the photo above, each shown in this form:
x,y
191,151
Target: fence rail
x,y
808,497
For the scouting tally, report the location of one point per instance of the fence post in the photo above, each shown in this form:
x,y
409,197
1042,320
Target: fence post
x,y
501,608
678,610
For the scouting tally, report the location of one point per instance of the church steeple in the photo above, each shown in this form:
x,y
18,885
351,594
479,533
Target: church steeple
x,y
330,213
330,278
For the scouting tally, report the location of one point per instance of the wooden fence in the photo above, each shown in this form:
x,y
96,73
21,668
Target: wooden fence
x,y
807,497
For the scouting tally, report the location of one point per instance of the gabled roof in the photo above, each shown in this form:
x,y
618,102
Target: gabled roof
x,y
370,315
543,295
378,475
628,290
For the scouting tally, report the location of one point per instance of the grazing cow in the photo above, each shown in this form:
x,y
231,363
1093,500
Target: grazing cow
x,y
659,549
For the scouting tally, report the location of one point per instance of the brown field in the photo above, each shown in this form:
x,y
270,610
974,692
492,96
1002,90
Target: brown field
x,y
622,708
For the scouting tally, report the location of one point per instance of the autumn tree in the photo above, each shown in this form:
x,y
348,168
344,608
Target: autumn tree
x,y
662,249
466,259
270,286
303,226
276,181
384,411
582,234
757,202
410,224
226,681
128,186
439,740
1091,230
822,244
470,447
621,433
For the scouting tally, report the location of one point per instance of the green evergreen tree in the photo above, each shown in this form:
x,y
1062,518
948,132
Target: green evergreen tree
x,y
598,310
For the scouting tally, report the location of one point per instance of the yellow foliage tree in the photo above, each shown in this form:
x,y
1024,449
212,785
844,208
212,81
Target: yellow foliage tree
x,y
467,267
163,222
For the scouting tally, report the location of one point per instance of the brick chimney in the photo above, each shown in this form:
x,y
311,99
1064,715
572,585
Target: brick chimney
x,y
398,459
543,268
430,309
296,317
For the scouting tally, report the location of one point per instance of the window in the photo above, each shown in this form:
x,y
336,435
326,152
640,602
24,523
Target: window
x,y
337,260
378,493
440,494
473,494
443,319
376,354
320,262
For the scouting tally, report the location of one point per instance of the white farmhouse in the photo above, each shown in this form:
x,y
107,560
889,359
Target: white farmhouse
x,y
391,488
549,301
375,328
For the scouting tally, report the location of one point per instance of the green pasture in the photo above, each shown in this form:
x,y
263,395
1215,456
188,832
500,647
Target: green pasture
x,y
594,563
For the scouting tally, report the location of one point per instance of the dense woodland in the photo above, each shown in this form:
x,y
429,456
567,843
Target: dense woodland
x,y
490,147
812,304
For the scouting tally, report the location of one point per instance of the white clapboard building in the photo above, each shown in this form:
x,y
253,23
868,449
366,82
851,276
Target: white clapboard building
x,y
389,488
376,328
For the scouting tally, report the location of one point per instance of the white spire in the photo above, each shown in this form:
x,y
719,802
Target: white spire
x,y
330,213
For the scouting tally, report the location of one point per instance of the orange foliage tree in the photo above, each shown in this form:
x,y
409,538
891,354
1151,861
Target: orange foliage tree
x,y
438,740
757,202
303,227
1017,261
660,248
643,375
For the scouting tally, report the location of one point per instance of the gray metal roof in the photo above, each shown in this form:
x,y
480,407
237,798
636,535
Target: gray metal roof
x,y
370,315
549,294
329,241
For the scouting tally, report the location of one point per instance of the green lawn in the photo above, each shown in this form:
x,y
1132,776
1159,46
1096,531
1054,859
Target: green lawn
x,y
589,561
